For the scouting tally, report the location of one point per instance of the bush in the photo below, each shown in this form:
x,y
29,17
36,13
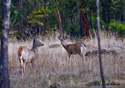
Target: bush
x,y
117,26
121,29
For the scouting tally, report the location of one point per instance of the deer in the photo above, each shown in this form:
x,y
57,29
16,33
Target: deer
x,y
76,48
26,55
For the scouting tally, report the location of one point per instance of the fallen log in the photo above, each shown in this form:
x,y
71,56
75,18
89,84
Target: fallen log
x,y
103,51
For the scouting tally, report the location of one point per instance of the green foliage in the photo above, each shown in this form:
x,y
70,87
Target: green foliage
x,y
15,17
113,26
69,8
37,14
105,25
0,22
74,29
116,25
52,21
117,7
35,10
121,29
88,6
93,19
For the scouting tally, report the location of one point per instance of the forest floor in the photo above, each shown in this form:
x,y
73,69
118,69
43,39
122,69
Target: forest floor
x,y
54,68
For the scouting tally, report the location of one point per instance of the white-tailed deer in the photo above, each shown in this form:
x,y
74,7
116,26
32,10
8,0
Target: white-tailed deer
x,y
76,48
28,55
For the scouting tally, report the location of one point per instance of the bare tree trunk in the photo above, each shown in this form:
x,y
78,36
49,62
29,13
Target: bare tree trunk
x,y
90,20
19,32
44,26
100,59
4,77
62,21
81,25
22,25
59,19
85,23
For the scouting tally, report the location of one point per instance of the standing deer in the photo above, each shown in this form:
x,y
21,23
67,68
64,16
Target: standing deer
x,y
76,48
28,55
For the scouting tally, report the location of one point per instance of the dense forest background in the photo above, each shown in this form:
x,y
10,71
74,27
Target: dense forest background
x,y
75,17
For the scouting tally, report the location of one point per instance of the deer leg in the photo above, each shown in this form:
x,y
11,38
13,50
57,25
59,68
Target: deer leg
x,y
26,65
33,63
83,60
82,57
22,68
69,56
22,65
70,60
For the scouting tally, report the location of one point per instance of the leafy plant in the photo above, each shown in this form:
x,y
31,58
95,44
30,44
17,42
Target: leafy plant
x,y
117,26
112,26
36,15
121,29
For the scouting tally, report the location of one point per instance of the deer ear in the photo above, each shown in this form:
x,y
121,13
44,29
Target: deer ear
x,y
36,38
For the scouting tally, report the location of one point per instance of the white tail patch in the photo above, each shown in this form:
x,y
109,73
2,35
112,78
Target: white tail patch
x,y
21,57
82,48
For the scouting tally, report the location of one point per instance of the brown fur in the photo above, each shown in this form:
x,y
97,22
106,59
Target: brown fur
x,y
20,51
28,55
73,48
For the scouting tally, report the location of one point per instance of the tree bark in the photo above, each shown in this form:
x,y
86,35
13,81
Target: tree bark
x,y
4,77
62,21
59,19
81,25
44,26
22,25
44,18
90,20
99,46
85,23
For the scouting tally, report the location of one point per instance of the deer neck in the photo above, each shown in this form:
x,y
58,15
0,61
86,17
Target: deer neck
x,y
35,49
64,45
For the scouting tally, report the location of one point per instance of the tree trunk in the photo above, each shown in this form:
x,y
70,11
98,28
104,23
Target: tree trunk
x,y
59,19
103,11
19,32
62,21
85,23
22,25
122,15
4,77
122,18
81,25
44,26
100,59
90,20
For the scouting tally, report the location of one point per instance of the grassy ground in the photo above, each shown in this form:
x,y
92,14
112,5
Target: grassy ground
x,y
54,66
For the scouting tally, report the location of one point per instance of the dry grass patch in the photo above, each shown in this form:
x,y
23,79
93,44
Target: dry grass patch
x,y
54,66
